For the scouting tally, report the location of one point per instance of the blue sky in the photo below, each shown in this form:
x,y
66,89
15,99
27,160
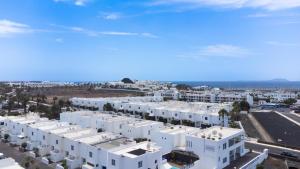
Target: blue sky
x,y
198,40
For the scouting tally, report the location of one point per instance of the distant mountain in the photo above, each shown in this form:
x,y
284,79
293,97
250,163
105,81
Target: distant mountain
x,y
279,80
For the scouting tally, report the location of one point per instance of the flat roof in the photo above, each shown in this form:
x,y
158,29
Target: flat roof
x,y
113,143
63,129
79,133
177,129
95,139
216,132
135,150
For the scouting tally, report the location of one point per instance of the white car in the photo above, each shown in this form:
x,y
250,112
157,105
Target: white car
x,y
1,156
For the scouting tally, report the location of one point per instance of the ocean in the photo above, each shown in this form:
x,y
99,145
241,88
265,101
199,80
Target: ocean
x,y
245,84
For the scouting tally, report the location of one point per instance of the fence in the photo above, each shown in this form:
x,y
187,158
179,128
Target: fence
x,y
257,160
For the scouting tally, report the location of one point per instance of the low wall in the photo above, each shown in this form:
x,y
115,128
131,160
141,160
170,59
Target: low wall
x,y
257,160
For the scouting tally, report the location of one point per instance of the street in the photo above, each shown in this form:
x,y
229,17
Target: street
x,y
272,149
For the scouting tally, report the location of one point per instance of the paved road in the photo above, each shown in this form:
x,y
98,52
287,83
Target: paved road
x,y
14,153
272,149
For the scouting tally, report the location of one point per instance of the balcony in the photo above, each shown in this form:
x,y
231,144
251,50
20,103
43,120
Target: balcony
x,y
73,162
88,166
56,155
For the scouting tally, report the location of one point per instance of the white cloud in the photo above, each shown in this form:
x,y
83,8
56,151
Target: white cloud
x,y
75,2
149,35
111,16
259,15
8,27
276,43
111,33
218,50
265,4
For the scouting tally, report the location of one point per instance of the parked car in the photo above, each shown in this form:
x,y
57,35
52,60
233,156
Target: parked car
x,y
288,154
1,156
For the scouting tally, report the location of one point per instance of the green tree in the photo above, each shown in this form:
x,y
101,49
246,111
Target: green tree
x,y
68,103
290,101
54,100
10,104
55,110
43,98
61,103
25,100
183,87
18,95
108,107
244,105
24,145
222,113
6,136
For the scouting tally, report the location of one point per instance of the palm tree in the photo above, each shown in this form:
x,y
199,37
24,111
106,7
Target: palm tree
x,y
18,95
25,100
222,113
61,104
54,99
10,104
44,98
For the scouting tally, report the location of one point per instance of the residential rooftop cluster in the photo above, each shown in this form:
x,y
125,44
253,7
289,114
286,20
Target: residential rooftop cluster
x,y
91,139
199,113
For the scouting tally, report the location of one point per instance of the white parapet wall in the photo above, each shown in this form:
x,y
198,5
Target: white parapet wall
x,y
257,160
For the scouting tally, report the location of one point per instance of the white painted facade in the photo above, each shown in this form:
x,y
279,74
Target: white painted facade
x,y
196,112
216,146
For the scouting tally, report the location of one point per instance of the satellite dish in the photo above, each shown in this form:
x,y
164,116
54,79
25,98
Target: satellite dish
x,y
214,132
220,135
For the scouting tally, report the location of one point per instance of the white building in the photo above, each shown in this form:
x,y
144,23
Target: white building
x,y
172,137
216,96
126,126
9,163
217,147
201,114
89,148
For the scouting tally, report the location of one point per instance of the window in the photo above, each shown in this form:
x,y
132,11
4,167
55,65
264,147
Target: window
x,y
72,147
155,161
140,164
231,142
56,141
22,130
32,133
149,132
225,160
44,137
205,118
90,154
113,162
224,146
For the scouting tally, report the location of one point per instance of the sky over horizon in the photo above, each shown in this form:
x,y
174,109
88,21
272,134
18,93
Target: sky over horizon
x,y
168,40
